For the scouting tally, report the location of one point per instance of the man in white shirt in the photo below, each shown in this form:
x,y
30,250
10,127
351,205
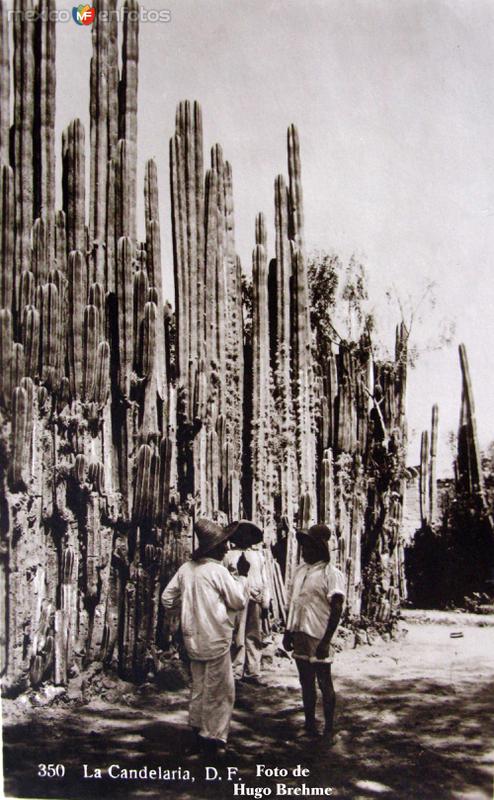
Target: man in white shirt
x,y
248,635
209,595
316,605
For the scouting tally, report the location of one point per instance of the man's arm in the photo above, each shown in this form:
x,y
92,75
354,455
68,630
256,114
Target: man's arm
x,y
337,601
170,598
233,590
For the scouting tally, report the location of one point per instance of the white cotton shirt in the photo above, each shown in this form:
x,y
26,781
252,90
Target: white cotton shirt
x,y
257,578
208,595
313,587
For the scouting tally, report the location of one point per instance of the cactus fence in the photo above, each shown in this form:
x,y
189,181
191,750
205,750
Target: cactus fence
x,y
123,420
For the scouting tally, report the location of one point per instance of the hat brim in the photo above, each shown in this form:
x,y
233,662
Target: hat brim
x,y
203,551
302,537
244,531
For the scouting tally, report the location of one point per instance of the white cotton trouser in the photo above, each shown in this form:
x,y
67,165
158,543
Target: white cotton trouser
x,y
248,641
212,697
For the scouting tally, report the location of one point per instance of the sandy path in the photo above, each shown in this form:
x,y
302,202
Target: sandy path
x,y
415,720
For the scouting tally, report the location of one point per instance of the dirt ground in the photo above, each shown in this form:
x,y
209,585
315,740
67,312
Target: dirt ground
x,y
415,719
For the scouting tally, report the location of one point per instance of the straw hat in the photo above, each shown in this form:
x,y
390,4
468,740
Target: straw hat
x,y
209,535
319,535
245,533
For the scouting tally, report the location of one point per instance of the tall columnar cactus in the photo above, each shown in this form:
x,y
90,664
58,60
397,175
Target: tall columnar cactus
x,y
288,477
17,368
30,339
50,338
141,291
296,209
90,350
187,190
39,259
261,397
102,374
142,484
44,121
212,258
74,186
469,463
4,85
60,242
433,465
326,501
7,262
113,78
77,295
303,376
23,128
111,225
128,108
98,108
125,252
20,425
124,200
154,268
5,357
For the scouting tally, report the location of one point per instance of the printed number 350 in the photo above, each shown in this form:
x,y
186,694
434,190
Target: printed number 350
x,y
51,770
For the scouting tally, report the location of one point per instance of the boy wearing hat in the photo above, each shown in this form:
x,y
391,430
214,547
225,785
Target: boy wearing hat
x,y
315,609
248,634
209,596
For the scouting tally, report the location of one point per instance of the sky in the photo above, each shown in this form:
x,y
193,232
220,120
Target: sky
x,y
394,103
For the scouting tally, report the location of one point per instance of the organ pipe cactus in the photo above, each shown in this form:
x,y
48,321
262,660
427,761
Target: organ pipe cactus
x,y
469,463
102,374
27,289
142,484
125,254
90,347
128,109
50,338
432,467
98,109
44,122
20,426
5,357
77,294
23,128
4,85
7,271
74,187
424,477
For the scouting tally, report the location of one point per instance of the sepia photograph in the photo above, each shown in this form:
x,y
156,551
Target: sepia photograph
x,y
247,399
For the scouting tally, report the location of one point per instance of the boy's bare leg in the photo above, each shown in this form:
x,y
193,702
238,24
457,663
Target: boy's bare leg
x,y
323,673
307,675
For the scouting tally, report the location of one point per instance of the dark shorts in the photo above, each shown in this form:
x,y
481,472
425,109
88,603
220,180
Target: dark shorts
x,y
305,646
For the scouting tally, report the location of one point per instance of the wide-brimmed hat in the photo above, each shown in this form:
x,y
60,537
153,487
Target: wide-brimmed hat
x,y
245,533
209,535
318,535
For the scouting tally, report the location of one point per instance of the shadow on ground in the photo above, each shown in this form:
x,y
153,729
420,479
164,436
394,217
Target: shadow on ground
x,y
399,739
